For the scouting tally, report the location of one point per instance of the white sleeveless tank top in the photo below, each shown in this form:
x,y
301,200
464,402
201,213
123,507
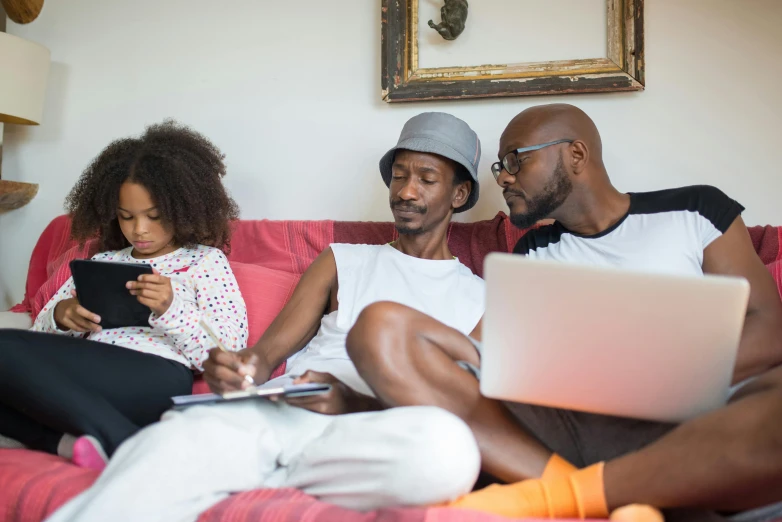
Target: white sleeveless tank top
x,y
446,290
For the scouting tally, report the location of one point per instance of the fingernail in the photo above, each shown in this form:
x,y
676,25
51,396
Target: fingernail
x,y
97,319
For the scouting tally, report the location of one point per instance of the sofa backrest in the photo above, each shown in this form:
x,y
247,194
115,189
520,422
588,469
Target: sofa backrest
x,y
290,246
287,246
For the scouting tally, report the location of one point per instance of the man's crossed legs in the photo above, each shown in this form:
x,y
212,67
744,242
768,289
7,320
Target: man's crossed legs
x,y
183,465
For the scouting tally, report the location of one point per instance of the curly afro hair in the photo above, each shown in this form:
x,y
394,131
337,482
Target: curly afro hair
x,y
181,169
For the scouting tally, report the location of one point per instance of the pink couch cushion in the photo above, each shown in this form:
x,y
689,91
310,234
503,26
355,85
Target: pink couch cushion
x,y
33,485
51,244
287,246
767,241
59,270
265,292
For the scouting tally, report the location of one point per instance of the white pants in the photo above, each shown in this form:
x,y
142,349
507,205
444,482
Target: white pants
x,y
178,468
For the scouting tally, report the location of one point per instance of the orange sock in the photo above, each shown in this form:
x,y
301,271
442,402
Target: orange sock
x,y
578,495
557,467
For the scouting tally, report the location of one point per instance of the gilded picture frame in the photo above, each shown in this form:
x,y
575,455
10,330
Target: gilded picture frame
x,y
402,80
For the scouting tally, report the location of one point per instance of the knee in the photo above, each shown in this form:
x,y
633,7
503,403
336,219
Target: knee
x,y
15,351
376,329
12,341
441,458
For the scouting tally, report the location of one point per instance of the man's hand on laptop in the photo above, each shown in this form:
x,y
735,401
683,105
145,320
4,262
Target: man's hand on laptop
x,y
340,399
227,371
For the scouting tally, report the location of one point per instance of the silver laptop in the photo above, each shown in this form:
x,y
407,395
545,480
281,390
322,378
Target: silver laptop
x,y
648,346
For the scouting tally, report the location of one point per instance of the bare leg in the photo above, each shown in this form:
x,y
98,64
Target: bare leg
x,y
730,459
408,359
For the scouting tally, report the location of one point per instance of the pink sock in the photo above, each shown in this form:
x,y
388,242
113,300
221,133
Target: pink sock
x,y
88,453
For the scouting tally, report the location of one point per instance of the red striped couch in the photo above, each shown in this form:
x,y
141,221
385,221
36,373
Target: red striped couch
x,y
34,484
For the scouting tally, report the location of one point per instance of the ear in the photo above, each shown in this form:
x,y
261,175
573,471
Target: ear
x,y
579,156
461,193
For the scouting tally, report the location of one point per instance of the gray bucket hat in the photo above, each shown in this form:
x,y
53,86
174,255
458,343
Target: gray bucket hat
x,y
442,134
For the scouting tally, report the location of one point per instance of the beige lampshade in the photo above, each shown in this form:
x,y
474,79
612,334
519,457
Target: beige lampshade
x,y
24,69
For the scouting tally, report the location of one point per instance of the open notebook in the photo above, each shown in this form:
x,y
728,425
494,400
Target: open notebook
x,y
271,390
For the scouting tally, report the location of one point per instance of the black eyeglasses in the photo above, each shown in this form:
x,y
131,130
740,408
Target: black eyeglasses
x,y
511,160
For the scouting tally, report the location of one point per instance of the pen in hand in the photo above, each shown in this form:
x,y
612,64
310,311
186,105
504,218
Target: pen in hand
x,y
220,345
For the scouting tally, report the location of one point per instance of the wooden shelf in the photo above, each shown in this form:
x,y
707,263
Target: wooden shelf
x,y
14,194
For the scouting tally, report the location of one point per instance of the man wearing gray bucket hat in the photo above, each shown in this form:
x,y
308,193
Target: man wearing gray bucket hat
x,y
372,459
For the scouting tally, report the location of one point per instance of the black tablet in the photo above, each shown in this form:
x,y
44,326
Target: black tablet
x,y
100,287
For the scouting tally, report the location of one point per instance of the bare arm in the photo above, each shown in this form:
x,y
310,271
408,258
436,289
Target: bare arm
x,y
299,320
761,341
291,330
731,458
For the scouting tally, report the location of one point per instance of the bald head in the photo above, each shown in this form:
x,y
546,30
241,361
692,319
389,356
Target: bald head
x,y
551,164
544,123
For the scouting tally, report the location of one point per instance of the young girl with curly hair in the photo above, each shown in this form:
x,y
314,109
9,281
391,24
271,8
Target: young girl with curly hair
x,y
72,388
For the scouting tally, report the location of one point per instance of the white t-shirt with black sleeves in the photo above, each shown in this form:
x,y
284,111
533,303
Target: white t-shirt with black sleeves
x,y
663,232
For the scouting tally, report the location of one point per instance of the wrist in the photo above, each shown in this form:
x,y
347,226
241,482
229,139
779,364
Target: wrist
x,y
263,367
57,318
160,311
60,327
163,309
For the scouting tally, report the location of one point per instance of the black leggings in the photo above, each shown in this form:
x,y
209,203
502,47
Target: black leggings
x,y
54,384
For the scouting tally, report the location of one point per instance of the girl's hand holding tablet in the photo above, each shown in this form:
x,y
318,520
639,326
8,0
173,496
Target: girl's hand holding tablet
x,y
154,291
70,315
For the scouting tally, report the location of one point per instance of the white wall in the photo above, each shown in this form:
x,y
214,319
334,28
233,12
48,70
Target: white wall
x,y
290,92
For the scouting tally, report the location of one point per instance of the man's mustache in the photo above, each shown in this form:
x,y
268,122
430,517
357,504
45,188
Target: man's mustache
x,y
514,192
407,207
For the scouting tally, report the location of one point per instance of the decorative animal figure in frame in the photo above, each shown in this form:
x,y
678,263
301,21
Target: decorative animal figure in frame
x,y
454,16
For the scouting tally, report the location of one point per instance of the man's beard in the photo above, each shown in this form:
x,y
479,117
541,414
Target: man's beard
x,y
545,203
403,228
